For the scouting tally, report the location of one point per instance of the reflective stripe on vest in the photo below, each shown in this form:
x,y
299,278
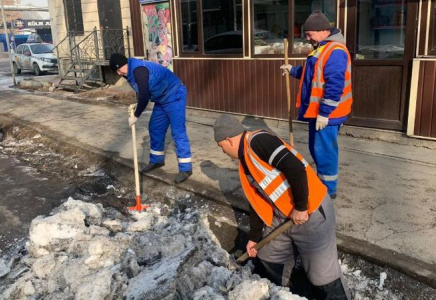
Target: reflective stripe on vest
x,y
317,93
274,183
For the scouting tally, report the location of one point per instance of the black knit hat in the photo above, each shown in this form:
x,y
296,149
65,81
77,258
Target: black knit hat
x,y
317,21
117,61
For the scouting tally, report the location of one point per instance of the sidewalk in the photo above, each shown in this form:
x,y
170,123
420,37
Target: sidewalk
x,y
386,208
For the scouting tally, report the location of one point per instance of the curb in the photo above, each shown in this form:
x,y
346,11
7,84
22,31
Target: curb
x,y
419,270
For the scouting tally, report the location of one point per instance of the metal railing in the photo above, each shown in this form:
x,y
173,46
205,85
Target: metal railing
x,y
90,51
94,47
99,45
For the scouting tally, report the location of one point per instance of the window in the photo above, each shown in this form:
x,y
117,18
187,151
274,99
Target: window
x,y
41,48
270,24
302,10
212,27
19,49
26,50
381,29
73,14
222,22
215,29
271,19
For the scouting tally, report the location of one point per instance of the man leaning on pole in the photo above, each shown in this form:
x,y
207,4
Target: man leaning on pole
x,y
324,97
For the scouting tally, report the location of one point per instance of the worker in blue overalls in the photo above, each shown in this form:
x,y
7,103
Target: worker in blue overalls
x,y
153,82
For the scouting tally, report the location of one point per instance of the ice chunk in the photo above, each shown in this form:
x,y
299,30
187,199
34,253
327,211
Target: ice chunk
x,y
250,290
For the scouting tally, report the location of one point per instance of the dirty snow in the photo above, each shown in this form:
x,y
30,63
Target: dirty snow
x,y
83,251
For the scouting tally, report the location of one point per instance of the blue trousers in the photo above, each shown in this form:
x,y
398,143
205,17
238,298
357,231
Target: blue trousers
x,y
163,116
323,146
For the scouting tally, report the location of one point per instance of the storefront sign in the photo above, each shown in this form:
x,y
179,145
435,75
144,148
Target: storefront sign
x,y
20,24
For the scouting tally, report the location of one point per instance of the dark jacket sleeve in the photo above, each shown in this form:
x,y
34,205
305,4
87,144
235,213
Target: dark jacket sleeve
x,y
265,146
296,72
140,75
256,226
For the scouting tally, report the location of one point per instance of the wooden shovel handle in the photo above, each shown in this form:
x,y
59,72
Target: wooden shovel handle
x,y
279,230
288,94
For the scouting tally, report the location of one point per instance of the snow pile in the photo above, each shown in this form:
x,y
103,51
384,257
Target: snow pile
x,y
83,251
364,288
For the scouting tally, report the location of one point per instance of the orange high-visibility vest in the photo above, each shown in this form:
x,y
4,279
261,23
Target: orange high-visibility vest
x,y
275,184
318,83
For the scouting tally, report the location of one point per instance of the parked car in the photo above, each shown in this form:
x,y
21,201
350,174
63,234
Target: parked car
x,y
37,57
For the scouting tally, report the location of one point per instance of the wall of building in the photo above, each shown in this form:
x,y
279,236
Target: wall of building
x,y
422,102
243,86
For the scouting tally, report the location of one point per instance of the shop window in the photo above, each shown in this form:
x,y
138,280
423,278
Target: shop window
x,y
271,19
302,10
222,23
432,37
270,26
381,29
73,14
218,32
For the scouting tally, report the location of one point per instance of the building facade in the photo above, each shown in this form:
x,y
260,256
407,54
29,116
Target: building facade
x,y
228,53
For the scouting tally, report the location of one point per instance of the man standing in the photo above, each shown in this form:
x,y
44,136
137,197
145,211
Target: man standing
x,y
152,81
324,96
280,185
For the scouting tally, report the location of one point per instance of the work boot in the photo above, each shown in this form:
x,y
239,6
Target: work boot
x,y
182,176
151,167
333,196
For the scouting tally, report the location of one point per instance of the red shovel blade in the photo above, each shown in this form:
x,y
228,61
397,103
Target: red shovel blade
x,y
138,206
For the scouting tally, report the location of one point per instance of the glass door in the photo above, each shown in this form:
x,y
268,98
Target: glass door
x,y
385,36
381,39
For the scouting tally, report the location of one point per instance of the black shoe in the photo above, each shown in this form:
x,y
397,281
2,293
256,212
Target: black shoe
x,y
333,196
182,176
151,167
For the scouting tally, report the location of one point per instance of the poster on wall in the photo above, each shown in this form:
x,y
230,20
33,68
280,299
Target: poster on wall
x,y
157,33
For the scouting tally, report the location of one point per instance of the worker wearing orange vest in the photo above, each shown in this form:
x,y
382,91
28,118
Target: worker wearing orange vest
x,y
324,97
280,185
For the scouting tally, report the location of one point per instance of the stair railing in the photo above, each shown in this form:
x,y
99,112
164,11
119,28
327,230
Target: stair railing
x,y
64,48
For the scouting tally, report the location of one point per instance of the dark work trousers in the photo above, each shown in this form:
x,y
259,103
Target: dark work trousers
x,y
314,244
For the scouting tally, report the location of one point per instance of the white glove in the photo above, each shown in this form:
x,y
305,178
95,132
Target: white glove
x,y
321,122
132,120
132,107
286,67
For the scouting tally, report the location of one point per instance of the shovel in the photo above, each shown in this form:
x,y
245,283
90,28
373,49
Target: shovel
x,y
279,230
288,94
138,206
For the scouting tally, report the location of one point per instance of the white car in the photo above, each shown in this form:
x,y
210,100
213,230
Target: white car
x,y
37,57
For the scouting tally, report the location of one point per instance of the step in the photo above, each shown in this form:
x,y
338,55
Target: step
x,y
67,87
71,78
93,79
78,70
